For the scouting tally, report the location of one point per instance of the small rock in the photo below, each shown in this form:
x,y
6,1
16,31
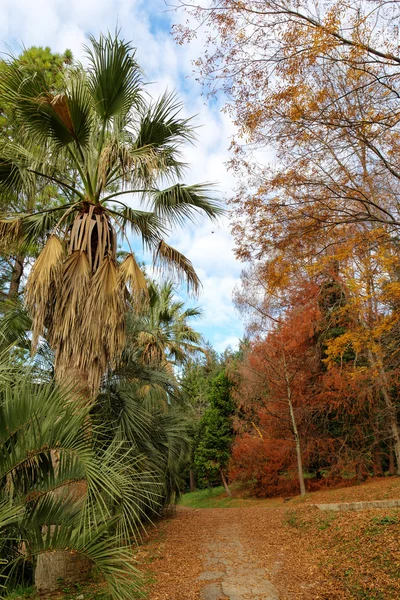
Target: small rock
x,y
81,597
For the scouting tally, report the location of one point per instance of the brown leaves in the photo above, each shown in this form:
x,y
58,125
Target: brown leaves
x,y
172,262
61,108
131,274
42,283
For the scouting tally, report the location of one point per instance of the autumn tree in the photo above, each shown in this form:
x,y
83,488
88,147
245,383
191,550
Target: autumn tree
x,y
317,87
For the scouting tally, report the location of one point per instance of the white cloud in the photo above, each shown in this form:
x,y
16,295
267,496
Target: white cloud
x,y
229,342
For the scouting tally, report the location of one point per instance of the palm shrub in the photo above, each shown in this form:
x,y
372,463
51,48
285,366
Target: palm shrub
x,y
97,137
37,422
141,404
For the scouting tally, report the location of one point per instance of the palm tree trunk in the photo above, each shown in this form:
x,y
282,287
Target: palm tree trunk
x,y
60,567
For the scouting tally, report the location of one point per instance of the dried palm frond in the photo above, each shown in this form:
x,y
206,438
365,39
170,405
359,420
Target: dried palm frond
x,y
66,323
61,108
93,234
103,324
108,158
173,263
130,273
141,165
10,233
42,284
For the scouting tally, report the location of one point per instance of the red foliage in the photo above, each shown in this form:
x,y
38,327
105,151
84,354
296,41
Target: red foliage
x,y
266,465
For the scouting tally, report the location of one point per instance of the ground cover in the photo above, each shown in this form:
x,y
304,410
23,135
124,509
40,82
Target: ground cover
x,y
306,554
298,551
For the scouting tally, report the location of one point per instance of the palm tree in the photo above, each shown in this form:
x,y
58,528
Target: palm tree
x,y
163,333
98,138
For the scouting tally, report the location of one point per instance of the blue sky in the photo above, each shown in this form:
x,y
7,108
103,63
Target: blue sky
x,y
63,24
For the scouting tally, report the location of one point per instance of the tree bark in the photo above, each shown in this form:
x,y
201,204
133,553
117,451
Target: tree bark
x,y
392,466
377,462
295,433
225,483
55,569
16,275
192,481
390,407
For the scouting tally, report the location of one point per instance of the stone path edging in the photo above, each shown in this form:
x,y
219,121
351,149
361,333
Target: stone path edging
x,y
359,505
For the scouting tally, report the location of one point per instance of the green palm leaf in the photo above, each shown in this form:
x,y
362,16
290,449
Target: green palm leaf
x,y
180,203
114,77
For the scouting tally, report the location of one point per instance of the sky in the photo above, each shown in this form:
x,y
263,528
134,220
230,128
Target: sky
x,y
62,24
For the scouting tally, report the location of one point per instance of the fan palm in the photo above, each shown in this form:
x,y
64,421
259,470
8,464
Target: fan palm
x,y
37,420
118,143
162,332
37,192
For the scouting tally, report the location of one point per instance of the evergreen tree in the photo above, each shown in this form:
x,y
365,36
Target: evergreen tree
x,y
215,435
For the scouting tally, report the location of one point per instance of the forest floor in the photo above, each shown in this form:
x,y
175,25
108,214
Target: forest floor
x,y
277,549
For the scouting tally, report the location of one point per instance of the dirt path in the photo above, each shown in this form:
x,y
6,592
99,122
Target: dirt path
x,y
279,550
224,554
230,564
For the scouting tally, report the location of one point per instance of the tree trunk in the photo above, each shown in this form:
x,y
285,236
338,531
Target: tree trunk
x,y
60,567
55,569
296,435
392,466
394,427
377,462
390,407
16,275
225,483
192,481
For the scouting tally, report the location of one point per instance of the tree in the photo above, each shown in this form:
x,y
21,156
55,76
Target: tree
x,y
163,331
212,452
317,89
36,194
37,420
99,121
195,381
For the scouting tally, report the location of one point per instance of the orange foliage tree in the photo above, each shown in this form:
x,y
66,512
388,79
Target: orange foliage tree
x,y
314,92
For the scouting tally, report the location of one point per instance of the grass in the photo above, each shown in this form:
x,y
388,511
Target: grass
x,y
217,498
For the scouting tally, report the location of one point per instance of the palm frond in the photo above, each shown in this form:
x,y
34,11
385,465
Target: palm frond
x,y
37,421
131,274
62,117
102,340
11,177
160,125
114,77
144,224
173,263
42,283
180,202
